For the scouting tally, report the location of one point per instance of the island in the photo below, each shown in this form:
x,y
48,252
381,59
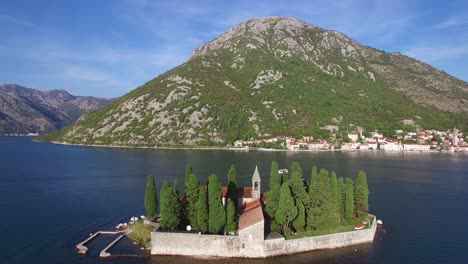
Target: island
x,y
294,215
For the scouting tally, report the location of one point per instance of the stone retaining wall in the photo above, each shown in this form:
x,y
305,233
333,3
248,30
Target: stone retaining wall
x,y
193,244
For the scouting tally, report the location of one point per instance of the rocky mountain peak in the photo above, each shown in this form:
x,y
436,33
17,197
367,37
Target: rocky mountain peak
x,y
276,76
260,30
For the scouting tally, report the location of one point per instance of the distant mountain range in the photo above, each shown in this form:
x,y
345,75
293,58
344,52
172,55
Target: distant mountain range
x,y
277,76
25,110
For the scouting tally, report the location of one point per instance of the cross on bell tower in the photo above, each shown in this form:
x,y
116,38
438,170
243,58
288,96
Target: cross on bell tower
x,y
256,184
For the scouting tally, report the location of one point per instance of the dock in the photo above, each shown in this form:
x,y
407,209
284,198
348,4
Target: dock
x,y
82,249
104,253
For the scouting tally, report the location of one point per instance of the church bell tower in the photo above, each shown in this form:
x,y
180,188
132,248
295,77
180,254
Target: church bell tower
x,y
256,184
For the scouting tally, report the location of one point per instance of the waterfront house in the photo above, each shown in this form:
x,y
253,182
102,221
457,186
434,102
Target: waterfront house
x,y
292,145
353,136
391,145
417,147
318,145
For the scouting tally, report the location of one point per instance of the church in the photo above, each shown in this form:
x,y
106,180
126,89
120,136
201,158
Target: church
x,y
246,195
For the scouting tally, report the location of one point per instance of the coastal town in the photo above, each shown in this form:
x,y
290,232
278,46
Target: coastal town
x,y
419,141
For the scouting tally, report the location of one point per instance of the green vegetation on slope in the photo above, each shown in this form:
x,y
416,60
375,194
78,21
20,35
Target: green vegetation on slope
x,y
235,92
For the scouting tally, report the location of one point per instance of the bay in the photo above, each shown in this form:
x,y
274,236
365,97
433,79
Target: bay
x,y
53,196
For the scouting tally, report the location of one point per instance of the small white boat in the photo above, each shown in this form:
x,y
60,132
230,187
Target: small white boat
x,y
283,171
379,222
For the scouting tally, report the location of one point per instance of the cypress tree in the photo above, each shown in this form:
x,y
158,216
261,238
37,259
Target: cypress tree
x,y
285,178
349,199
287,210
202,210
151,198
216,212
192,193
313,211
188,172
232,174
176,186
274,175
299,188
334,188
361,194
341,196
296,167
232,185
170,208
327,216
272,205
231,224
300,221
313,177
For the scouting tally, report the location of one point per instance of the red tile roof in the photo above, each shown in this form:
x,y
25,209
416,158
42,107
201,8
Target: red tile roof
x,y
252,214
293,143
242,192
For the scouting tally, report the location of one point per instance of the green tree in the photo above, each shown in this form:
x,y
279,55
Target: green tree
x,y
299,189
327,216
231,224
341,196
151,198
349,199
313,177
202,210
192,193
188,172
361,194
300,221
274,175
170,208
296,167
272,206
437,138
287,210
334,186
232,174
176,186
285,178
313,210
232,185
216,212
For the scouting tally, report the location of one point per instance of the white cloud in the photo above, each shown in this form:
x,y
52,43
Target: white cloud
x,y
452,22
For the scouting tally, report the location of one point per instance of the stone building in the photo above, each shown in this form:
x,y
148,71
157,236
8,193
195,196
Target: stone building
x,y
246,195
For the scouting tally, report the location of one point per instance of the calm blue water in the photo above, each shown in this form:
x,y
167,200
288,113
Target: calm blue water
x,y
53,196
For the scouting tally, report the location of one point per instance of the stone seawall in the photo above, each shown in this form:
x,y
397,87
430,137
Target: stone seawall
x,y
197,245
194,244
276,247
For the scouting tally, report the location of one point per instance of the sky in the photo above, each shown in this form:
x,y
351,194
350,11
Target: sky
x,y
108,48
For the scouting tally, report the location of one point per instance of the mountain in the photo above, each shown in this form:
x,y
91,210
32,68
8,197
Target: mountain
x,y
25,110
276,76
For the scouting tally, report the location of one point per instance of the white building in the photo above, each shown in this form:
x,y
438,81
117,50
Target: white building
x,y
391,145
318,145
292,145
417,147
350,146
353,136
238,143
